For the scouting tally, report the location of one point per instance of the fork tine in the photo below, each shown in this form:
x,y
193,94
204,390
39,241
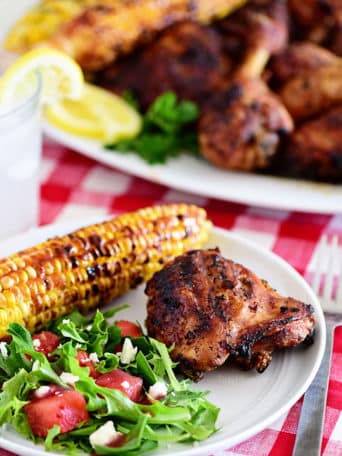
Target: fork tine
x,y
316,282
329,278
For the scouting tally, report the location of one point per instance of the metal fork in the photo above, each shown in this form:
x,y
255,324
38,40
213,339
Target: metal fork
x,y
328,266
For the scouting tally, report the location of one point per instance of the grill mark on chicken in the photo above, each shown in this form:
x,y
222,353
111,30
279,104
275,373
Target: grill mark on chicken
x,y
212,308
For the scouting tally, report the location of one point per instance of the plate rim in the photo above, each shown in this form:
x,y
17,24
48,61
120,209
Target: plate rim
x,y
67,226
311,197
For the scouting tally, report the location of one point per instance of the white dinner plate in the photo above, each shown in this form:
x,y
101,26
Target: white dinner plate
x,y
195,175
249,401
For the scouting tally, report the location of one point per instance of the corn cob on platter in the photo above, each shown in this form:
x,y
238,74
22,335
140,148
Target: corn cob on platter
x,y
95,33
95,264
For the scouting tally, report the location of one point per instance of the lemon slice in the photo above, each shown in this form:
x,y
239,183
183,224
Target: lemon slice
x,y
61,77
98,114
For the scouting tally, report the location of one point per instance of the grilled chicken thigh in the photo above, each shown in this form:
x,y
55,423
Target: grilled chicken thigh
x,y
312,91
298,58
314,150
211,308
187,58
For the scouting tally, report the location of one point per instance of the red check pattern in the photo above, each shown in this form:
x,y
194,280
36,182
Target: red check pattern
x,y
74,186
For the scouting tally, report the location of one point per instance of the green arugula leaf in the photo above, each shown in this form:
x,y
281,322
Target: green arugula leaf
x,y
164,354
75,316
68,329
132,440
12,400
111,312
108,364
160,413
53,432
144,369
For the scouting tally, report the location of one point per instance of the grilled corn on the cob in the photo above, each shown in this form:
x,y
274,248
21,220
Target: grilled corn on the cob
x,y
101,33
95,264
40,23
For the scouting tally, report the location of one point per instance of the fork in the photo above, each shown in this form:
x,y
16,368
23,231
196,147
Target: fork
x,y
328,261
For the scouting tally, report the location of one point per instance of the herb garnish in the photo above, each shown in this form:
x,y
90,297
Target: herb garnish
x,y
167,130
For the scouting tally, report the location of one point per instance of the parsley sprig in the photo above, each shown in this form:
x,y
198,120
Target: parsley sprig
x,y
167,130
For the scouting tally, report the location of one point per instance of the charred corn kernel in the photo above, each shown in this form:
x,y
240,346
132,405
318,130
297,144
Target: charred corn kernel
x,y
7,282
95,264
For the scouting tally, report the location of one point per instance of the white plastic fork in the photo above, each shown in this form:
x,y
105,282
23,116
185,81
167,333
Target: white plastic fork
x,y
327,267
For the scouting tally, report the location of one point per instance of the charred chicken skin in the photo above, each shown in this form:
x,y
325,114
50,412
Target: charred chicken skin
x,y
314,150
103,32
266,22
297,58
187,58
243,126
211,308
313,91
319,21
243,129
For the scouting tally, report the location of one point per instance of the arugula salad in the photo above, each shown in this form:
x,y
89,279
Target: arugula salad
x,y
88,385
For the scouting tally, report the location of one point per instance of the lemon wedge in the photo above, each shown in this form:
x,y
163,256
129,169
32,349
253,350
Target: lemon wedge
x,y
98,114
61,77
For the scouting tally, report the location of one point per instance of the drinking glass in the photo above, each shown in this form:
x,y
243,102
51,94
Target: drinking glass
x,y
20,152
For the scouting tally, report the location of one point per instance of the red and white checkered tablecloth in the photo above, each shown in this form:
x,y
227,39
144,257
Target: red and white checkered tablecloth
x,y
74,186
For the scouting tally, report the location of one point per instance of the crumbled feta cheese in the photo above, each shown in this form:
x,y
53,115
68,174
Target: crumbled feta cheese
x,y
35,365
125,384
69,378
3,349
104,435
158,390
59,346
78,345
129,352
36,343
94,358
88,328
66,321
42,391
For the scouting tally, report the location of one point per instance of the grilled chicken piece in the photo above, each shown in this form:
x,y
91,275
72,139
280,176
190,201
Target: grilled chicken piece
x,y
211,308
311,92
298,58
266,22
101,33
315,148
311,12
335,42
187,58
243,128
316,19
